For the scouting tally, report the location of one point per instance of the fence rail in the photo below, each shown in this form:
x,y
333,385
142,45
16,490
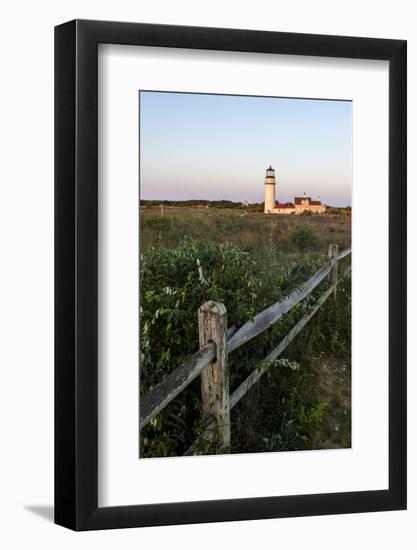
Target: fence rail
x,y
216,342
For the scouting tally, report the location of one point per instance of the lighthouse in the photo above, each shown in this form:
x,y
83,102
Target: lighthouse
x,y
269,190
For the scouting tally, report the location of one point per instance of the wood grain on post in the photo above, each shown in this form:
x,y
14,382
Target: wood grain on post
x,y
212,324
334,254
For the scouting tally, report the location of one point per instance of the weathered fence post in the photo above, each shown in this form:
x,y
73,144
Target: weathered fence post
x,y
212,323
334,253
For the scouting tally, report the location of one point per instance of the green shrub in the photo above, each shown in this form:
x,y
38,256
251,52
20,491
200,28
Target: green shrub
x,y
174,282
303,237
158,223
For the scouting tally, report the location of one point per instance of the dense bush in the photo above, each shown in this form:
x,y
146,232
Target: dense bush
x,y
302,237
174,283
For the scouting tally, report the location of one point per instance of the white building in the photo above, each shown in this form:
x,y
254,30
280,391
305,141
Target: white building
x,y
300,204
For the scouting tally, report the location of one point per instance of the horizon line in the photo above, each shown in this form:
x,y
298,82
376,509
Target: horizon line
x,y
225,200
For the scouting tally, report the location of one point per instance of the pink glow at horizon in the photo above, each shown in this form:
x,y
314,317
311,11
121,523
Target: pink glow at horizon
x,y
214,147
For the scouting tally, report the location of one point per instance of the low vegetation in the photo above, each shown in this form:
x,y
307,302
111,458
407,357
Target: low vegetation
x,y
191,255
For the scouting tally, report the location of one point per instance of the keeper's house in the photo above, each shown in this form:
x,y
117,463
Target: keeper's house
x,y
300,205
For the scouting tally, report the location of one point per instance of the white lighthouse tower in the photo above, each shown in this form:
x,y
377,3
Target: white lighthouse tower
x,y
269,191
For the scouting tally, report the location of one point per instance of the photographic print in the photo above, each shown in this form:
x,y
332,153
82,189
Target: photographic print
x,y
244,274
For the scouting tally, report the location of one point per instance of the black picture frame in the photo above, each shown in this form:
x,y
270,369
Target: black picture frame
x,y
76,271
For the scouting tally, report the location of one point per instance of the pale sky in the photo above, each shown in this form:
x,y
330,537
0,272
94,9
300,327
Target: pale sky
x,y
202,146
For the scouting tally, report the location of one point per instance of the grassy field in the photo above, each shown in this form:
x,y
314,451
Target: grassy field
x,y
240,227
247,260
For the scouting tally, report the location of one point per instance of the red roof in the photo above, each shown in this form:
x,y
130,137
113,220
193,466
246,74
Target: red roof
x,y
299,200
284,205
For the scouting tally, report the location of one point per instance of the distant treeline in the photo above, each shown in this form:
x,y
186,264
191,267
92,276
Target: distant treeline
x,y
339,210
202,204
253,207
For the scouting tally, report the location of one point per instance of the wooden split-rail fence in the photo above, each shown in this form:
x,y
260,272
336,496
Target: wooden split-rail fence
x,y
217,341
